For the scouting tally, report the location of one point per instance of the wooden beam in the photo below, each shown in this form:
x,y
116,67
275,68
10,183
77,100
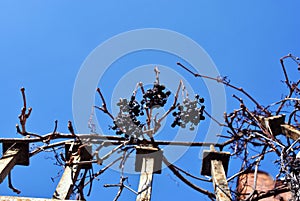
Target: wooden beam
x,y
213,165
290,131
65,186
219,180
7,162
14,198
148,152
115,140
145,185
272,124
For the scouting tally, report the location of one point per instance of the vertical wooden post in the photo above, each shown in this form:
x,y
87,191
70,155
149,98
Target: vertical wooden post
x,y
215,164
219,180
7,162
75,153
145,185
65,186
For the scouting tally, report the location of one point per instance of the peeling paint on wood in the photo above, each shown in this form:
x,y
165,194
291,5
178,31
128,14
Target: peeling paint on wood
x,y
7,162
13,198
66,183
290,131
219,180
145,185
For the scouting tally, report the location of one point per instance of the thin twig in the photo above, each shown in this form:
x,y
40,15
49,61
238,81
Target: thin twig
x,y
11,186
94,176
229,85
158,124
182,178
214,119
104,107
190,175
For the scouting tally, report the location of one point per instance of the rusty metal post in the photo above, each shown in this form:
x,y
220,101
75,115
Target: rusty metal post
x,y
145,185
67,181
215,164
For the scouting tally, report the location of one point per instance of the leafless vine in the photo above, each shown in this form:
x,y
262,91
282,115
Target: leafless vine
x,y
253,133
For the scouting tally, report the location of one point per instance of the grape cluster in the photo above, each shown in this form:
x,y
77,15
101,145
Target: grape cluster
x,y
189,112
126,121
155,97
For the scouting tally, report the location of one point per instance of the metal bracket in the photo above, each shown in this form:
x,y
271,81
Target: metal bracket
x,y
148,152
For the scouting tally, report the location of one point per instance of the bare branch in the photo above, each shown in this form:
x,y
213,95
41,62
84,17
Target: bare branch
x,y
229,85
197,188
103,108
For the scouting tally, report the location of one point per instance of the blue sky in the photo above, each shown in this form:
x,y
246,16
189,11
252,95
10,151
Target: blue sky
x,y
44,43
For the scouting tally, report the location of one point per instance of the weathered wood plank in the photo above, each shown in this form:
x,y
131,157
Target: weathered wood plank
x,y
7,162
14,198
290,131
219,180
146,177
65,186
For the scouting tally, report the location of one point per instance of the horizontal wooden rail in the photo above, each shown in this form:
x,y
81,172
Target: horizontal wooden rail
x,y
93,138
14,198
290,131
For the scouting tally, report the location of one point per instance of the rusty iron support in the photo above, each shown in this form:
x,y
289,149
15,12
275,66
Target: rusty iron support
x,y
146,178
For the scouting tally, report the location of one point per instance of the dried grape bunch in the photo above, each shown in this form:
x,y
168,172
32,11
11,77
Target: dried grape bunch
x,y
126,122
155,97
191,111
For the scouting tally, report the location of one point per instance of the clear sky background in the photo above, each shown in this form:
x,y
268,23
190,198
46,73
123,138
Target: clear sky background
x,y
44,43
